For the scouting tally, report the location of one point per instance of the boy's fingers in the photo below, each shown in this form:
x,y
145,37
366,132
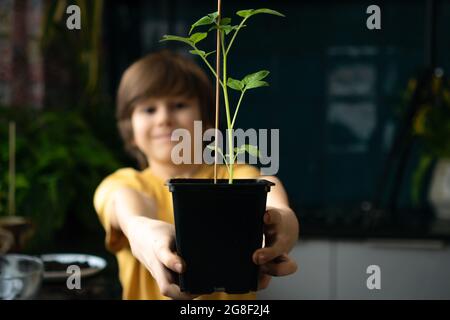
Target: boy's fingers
x,y
168,288
282,266
267,254
169,259
173,291
263,281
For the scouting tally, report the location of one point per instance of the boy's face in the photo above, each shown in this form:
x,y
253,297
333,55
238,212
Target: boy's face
x,y
153,121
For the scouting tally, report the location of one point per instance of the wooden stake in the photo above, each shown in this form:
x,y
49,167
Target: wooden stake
x,y
12,169
217,91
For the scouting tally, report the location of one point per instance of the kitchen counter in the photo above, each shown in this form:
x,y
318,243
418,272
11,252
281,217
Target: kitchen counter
x,y
341,223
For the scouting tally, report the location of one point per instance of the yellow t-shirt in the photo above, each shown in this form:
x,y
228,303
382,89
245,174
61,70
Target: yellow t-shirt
x,y
136,280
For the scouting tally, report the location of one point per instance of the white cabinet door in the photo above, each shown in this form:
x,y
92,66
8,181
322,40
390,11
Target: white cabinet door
x,y
312,279
409,269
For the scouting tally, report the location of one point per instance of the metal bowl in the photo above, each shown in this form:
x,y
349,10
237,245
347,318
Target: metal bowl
x,y
20,276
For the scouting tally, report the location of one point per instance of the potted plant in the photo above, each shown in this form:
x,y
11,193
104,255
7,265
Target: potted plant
x,y
431,125
55,174
219,223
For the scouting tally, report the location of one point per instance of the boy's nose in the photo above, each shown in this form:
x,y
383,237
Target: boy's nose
x,y
164,116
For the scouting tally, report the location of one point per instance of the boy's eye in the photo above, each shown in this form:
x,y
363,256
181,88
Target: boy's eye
x,y
180,105
150,110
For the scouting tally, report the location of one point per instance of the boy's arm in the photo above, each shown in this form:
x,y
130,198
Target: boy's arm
x,y
151,240
126,203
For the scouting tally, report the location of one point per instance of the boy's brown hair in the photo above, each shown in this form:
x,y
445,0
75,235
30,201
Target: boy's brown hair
x,y
161,74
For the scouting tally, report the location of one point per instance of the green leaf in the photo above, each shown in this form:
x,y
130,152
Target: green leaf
x,y
225,21
219,151
213,15
209,53
256,84
206,20
252,150
197,37
417,178
257,76
226,28
235,84
251,12
212,147
201,53
198,52
22,181
245,13
192,40
175,38
268,11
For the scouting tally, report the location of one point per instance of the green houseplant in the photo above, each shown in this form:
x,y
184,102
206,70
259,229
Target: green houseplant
x,y
59,163
431,126
219,224
249,82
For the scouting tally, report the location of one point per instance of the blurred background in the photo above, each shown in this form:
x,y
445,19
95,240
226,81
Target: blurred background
x,y
364,120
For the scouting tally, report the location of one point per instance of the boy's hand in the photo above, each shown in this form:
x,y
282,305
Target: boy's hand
x,y
152,243
280,236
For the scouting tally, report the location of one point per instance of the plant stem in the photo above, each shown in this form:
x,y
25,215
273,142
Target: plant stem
x,y
224,159
12,169
234,35
418,176
216,122
227,109
209,66
237,108
235,157
93,64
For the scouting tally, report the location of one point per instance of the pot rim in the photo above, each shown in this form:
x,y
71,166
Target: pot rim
x,y
243,185
221,182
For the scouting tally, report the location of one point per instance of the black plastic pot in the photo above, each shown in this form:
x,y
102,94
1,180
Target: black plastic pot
x,y
218,227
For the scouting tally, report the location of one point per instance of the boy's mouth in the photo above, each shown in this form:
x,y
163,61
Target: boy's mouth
x,y
162,137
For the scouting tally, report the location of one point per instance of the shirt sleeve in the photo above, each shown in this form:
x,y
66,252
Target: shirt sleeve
x,y
115,240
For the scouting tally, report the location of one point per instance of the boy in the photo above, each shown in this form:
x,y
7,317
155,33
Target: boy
x,y
158,94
